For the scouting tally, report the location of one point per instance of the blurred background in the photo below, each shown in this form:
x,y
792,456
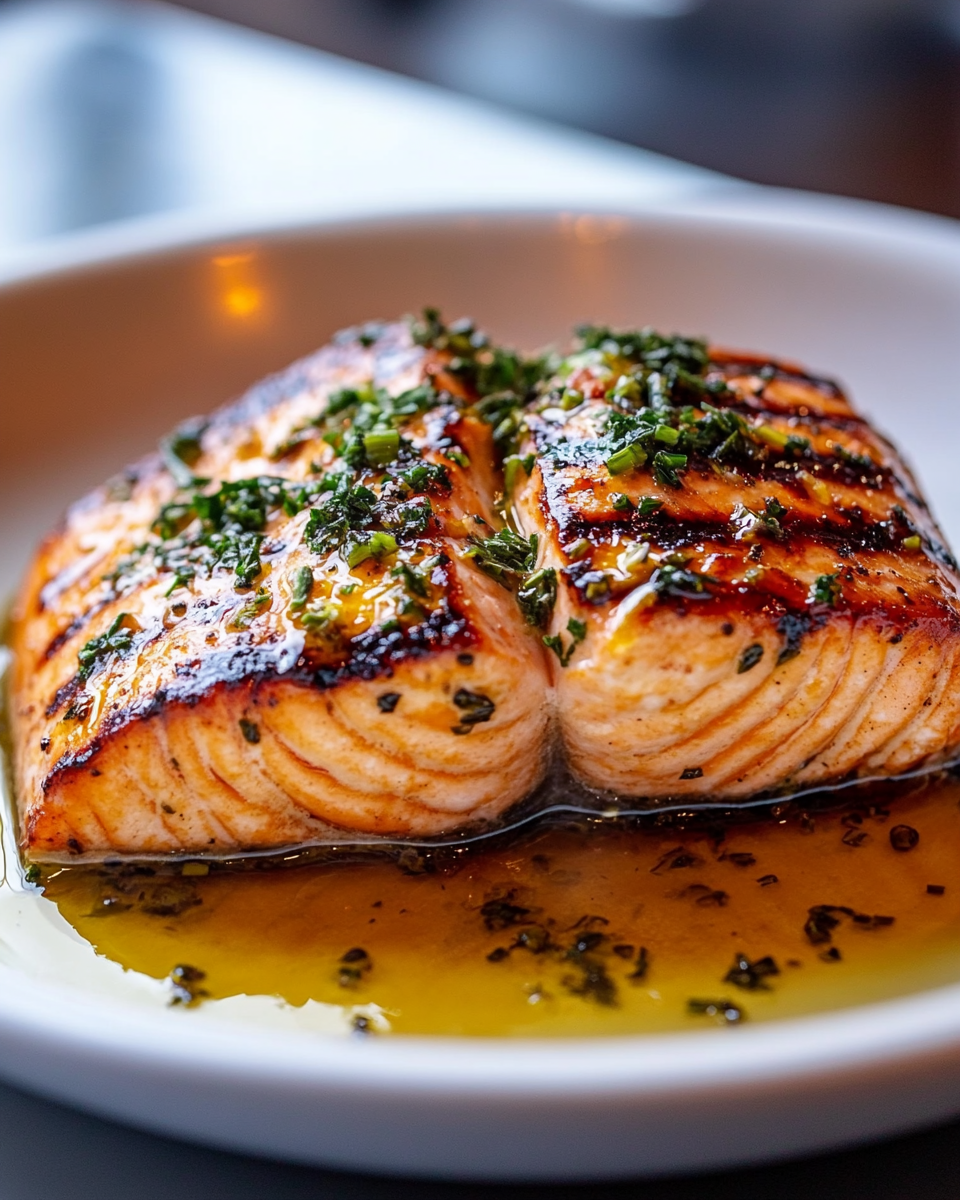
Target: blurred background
x,y
854,97
859,97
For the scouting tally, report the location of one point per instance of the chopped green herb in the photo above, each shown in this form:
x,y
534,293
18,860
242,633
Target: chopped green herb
x,y
301,585
577,630
376,546
749,658
476,709
751,976
185,985
904,838
381,446
513,465
181,449
860,462
251,610
667,434
354,965
537,596
627,459
725,1012
118,640
504,555
250,731
620,502
826,590
666,466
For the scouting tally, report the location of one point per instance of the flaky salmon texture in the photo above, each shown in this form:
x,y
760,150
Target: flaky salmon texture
x,y
379,593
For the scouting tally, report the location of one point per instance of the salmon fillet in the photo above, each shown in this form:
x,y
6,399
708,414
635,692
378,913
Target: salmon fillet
x,y
274,632
370,597
752,594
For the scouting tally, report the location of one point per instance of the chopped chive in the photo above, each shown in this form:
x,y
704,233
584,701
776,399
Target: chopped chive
x,y
250,731
456,455
381,446
666,466
376,546
772,437
648,505
577,630
301,585
513,464
620,502
578,549
626,459
667,434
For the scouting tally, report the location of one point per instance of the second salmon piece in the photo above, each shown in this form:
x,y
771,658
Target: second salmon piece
x,y
751,594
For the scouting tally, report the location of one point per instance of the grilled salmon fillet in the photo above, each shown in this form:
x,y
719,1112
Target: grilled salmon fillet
x,y
275,631
371,596
751,593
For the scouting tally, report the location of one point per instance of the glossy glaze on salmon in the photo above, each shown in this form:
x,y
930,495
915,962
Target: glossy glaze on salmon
x,y
370,596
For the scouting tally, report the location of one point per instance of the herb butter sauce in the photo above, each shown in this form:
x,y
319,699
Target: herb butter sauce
x,y
589,927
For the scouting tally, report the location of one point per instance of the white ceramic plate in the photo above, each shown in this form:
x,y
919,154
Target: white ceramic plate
x,y
99,356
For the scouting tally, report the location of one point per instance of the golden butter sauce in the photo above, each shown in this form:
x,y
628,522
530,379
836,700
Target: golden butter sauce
x,y
579,928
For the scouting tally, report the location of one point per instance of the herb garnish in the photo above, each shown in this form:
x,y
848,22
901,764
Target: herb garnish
x,y
724,1011
476,709
185,985
904,838
504,556
118,640
250,731
749,658
826,590
751,976
577,630
181,449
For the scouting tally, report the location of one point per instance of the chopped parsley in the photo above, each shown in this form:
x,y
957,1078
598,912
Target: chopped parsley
x,y
118,640
826,590
476,709
504,555
537,596
577,630
181,449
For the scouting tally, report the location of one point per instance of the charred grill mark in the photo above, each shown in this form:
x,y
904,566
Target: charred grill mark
x,y
63,695
881,476
373,655
733,364
672,532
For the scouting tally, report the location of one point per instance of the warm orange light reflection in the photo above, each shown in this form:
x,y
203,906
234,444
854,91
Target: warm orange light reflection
x,y
592,230
237,289
242,300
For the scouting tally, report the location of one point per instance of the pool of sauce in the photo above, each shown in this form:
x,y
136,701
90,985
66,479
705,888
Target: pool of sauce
x,y
574,927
